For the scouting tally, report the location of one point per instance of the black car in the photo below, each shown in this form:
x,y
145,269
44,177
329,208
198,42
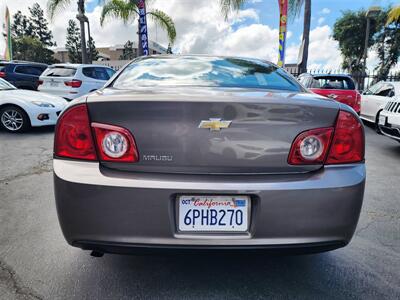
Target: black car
x,y
22,74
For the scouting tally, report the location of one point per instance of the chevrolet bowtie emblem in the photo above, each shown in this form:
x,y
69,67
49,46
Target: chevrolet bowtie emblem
x,y
214,124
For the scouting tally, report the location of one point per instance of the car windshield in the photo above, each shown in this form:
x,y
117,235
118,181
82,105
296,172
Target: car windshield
x,y
205,71
4,85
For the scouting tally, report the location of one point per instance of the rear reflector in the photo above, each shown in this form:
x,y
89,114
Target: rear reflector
x,y
348,142
73,137
115,143
73,83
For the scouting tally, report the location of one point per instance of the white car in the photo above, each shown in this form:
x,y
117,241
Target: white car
x,y
21,109
375,98
71,81
389,119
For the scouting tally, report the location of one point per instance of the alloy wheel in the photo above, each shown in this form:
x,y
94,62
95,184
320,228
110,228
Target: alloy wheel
x,y
12,120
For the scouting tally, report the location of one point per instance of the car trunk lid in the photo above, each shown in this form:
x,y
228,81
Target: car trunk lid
x,y
166,126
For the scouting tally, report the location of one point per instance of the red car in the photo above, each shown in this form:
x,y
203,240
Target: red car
x,y
338,87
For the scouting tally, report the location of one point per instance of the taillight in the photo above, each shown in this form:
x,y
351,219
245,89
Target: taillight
x,y
348,141
2,74
75,83
73,137
115,143
40,82
311,147
340,145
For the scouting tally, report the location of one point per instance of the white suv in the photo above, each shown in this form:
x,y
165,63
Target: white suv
x,y
389,119
73,80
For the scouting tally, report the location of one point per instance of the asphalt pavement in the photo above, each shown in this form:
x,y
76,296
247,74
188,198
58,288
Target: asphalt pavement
x,y
36,262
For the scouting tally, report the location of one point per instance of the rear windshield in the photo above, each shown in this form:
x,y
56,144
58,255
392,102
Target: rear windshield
x,y
205,71
333,82
59,72
2,68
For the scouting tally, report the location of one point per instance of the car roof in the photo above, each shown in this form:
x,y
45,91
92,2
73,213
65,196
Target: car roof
x,y
21,62
77,65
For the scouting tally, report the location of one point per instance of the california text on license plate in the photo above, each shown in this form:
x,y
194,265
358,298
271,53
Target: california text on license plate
x,y
214,213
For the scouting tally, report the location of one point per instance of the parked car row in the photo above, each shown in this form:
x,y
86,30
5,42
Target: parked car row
x,y
65,80
379,104
22,107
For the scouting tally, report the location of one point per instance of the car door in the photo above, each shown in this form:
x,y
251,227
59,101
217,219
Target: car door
x,y
368,101
95,78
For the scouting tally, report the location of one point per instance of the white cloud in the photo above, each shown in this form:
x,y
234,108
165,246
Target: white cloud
x,y
321,20
202,29
325,11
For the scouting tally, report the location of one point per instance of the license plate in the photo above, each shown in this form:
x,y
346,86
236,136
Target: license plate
x,y
214,213
382,120
53,83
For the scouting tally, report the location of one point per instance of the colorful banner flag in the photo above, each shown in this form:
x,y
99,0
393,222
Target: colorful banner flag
x,y
8,52
283,11
143,27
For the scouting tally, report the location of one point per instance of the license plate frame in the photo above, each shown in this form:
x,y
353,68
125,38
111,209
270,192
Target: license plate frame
x,y
209,229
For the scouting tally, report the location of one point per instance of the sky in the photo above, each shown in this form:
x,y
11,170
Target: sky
x,y
201,28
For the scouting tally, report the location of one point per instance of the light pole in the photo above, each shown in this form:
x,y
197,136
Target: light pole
x,y
372,12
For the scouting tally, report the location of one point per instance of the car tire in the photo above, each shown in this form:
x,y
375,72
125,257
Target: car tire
x,y
378,131
14,119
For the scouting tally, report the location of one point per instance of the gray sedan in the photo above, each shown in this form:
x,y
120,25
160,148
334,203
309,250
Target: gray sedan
x,y
207,153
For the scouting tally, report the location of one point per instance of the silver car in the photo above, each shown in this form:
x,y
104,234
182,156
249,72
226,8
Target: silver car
x,y
207,153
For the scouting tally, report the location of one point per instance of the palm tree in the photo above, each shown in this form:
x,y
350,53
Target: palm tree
x,y
295,7
54,6
127,10
294,10
394,15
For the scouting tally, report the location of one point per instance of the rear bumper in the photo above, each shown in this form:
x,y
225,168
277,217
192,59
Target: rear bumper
x,y
118,212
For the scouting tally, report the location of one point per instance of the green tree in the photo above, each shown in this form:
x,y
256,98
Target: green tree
x,y
127,10
93,52
39,26
73,42
55,6
387,45
21,25
31,49
294,7
349,31
128,51
74,46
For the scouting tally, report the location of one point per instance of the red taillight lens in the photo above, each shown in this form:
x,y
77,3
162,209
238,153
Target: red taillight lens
x,y
2,74
73,83
115,143
40,82
73,137
340,145
348,141
311,147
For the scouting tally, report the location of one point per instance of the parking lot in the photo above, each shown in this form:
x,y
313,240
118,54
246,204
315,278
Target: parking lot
x,y
36,262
